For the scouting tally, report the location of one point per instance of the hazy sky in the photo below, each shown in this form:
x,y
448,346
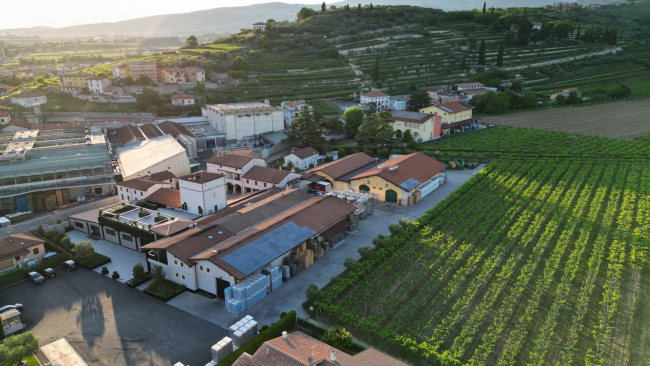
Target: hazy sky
x,y
63,13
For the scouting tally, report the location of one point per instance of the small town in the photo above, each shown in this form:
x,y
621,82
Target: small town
x,y
267,183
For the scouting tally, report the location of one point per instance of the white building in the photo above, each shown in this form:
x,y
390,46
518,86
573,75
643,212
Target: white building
x,y
241,120
398,102
537,25
139,159
260,25
182,99
380,99
302,158
136,189
96,85
28,99
293,108
233,167
202,192
5,117
260,178
468,86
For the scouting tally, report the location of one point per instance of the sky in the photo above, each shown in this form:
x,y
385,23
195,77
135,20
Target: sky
x,y
64,13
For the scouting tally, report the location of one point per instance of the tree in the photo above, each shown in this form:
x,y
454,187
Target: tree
x,y
418,100
333,52
138,272
334,124
529,100
191,41
407,136
149,98
313,294
17,347
145,80
573,98
40,80
471,42
66,243
305,130
463,64
359,9
342,152
484,4
375,71
491,102
376,129
371,7
618,91
500,55
304,13
240,64
353,119
129,81
578,32
323,7
349,262
560,99
517,84
158,275
338,338
84,248
481,53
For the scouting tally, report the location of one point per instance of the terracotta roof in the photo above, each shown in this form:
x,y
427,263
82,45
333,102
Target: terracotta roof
x,y
343,166
467,85
18,123
6,87
436,88
182,96
374,94
231,161
417,165
162,176
173,227
111,88
191,242
17,244
264,174
304,153
474,91
259,23
407,116
294,103
4,113
455,106
174,129
90,215
150,131
128,134
139,184
336,228
166,196
201,177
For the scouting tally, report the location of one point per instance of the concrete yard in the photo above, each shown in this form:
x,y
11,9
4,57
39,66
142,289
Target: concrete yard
x,y
291,294
110,324
61,353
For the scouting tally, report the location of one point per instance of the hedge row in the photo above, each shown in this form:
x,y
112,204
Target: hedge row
x,y
286,323
11,277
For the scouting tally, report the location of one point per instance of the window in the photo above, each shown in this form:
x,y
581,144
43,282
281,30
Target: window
x,y
127,237
182,265
120,188
176,274
368,181
36,251
200,268
207,270
110,231
183,277
175,262
247,181
255,182
386,185
127,189
79,225
264,184
142,194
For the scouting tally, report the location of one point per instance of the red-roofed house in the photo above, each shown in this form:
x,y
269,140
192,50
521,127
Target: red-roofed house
x,y
380,99
182,99
293,108
422,125
301,158
5,117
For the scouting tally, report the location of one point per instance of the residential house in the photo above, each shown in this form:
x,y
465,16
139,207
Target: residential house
x,y
259,25
29,99
422,125
5,117
259,178
140,68
565,93
293,108
434,90
120,71
398,179
456,117
19,250
96,84
303,158
340,171
537,25
241,120
380,99
136,189
469,93
233,167
4,89
182,99
74,83
175,75
467,86
398,102
223,78
299,349
202,192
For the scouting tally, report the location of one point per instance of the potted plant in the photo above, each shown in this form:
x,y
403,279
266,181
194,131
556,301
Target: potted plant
x,y
115,275
104,270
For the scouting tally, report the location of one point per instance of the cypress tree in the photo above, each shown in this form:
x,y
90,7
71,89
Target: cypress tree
x,y
323,7
481,53
463,64
359,8
500,55
371,7
578,33
484,4
492,11
375,72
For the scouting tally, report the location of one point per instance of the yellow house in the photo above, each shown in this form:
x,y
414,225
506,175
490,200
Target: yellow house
x,y
566,93
422,125
399,178
339,172
456,117
74,83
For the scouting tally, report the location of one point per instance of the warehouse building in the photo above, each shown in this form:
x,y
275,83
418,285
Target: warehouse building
x,y
340,171
141,158
244,121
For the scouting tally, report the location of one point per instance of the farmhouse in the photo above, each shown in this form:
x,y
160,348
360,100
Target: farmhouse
x,y
96,85
378,98
424,126
259,25
182,99
293,108
339,172
5,117
302,158
19,250
405,179
456,117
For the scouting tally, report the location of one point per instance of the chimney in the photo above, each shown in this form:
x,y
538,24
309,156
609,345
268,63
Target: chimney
x,y
333,356
284,335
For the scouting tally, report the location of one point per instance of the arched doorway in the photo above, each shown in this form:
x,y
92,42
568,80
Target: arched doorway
x,y
391,196
364,188
229,187
398,134
237,189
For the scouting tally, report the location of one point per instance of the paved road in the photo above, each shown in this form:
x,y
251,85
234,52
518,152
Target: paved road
x,y
111,324
290,295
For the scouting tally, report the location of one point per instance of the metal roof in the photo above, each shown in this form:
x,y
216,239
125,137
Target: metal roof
x,y
274,137
265,249
410,184
140,155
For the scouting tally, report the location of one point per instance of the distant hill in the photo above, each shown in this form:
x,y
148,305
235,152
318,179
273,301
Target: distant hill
x,y
232,19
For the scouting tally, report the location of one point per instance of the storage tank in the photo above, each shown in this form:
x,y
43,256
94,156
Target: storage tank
x,y
354,218
369,206
363,213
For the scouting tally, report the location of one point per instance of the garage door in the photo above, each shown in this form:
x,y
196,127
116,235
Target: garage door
x,y
391,196
364,188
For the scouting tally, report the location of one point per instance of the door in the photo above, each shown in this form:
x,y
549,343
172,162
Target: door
x,y
95,231
391,196
221,287
364,188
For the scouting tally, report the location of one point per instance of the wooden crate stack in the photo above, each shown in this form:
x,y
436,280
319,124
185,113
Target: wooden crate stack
x,y
38,201
30,202
8,204
59,197
66,196
307,258
49,201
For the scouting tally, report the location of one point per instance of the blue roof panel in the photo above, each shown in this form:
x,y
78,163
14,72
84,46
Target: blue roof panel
x,y
410,184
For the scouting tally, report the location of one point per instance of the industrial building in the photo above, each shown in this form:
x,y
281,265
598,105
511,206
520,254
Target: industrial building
x,y
140,158
245,121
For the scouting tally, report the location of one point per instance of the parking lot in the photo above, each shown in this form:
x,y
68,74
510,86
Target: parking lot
x,y
111,324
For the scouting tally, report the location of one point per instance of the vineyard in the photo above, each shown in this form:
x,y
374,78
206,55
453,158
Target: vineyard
x,y
534,261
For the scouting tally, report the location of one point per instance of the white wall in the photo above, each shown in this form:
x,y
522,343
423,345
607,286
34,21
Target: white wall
x,y
84,225
180,269
110,237
236,128
130,194
207,195
302,163
207,281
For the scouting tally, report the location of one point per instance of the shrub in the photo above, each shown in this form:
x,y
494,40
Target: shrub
x,y
66,244
11,277
282,314
379,241
17,347
394,229
365,252
313,294
404,222
138,272
58,221
166,289
40,230
57,239
49,234
264,327
158,275
349,262
338,337
84,248
115,275
104,270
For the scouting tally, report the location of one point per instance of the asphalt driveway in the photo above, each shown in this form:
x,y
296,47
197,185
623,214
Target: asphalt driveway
x,y
109,323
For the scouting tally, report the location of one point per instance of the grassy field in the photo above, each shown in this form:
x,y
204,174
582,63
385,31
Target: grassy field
x,y
537,260
68,103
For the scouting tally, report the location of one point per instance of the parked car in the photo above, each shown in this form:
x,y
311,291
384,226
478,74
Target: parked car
x,y
5,308
69,265
35,277
49,273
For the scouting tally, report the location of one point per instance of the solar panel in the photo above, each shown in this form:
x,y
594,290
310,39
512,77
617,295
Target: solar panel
x,y
465,104
265,249
445,109
410,184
